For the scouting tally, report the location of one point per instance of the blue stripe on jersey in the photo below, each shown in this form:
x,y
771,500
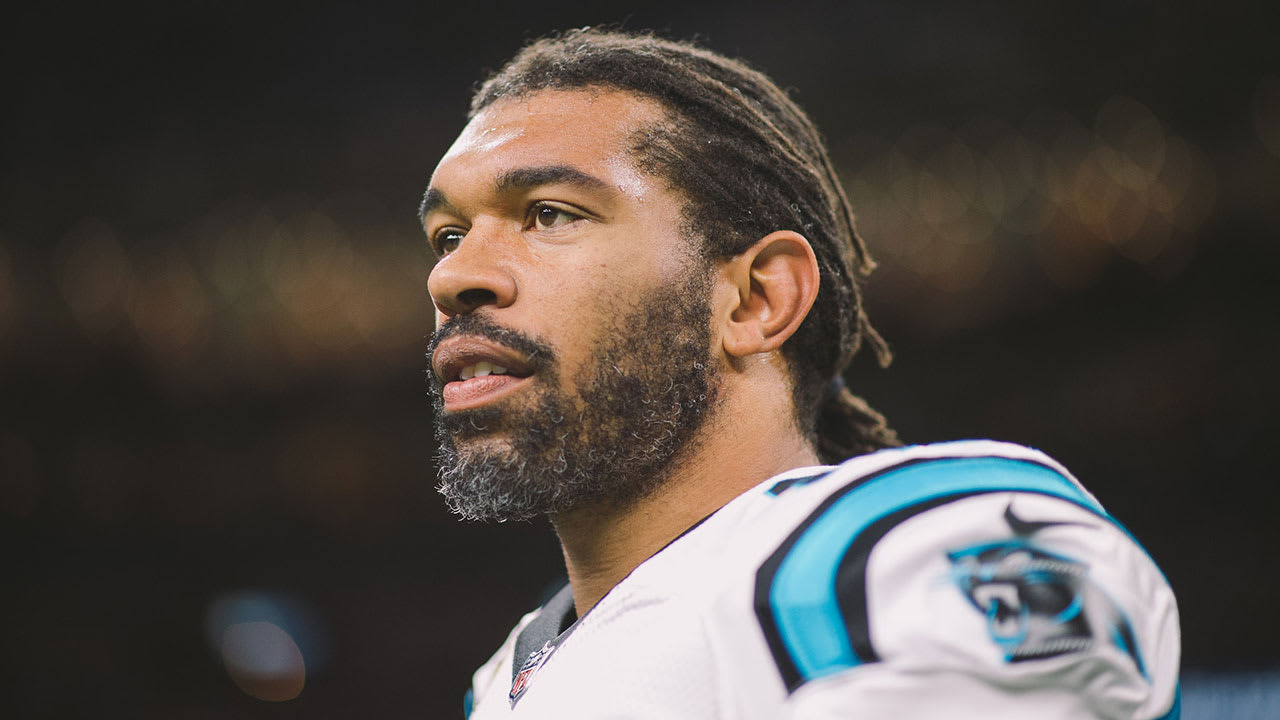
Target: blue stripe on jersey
x,y
803,593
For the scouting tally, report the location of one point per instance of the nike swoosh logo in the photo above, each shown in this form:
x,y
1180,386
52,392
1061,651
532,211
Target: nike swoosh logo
x,y
1027,527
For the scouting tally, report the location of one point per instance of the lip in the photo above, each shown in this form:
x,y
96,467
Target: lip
x,y
468,394
456,353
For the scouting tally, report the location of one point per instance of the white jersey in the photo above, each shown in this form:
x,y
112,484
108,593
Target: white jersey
x,y
958,580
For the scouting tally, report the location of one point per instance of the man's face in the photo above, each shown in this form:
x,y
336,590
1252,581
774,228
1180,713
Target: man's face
x,y
572,360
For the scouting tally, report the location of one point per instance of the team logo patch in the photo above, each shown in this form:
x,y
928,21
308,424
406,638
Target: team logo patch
x,y
1038,603
531,665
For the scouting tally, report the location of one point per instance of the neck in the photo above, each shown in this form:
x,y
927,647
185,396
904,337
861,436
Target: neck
x,y
729,456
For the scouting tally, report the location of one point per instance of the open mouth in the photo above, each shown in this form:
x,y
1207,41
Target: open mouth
x,y
484,368
474,371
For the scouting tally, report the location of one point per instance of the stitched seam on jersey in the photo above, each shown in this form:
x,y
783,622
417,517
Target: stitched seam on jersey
x,y
806,631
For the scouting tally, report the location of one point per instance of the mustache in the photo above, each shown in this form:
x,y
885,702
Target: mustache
x,y
538,353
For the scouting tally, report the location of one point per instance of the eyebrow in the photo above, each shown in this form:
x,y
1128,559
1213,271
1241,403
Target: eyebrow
x,y
519,179
523,178
432,200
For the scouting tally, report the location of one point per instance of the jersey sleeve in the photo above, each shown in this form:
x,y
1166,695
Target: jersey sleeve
x,y
969,587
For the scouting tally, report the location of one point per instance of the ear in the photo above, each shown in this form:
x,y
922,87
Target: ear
x,y
776,282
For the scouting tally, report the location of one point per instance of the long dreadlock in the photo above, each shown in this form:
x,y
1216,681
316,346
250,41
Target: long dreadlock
x,y
749,162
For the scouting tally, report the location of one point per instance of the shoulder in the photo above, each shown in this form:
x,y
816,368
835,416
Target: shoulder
x,y
948,465
980,558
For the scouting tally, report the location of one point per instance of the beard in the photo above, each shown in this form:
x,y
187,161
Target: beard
x,y
648,387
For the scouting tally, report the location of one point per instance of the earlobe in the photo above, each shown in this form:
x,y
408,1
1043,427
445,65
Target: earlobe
x,y
776,281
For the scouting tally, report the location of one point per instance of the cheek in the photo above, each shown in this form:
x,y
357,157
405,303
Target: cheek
x,y
577,310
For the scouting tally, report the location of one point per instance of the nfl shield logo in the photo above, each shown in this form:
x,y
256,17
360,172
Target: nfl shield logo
x,y
531,665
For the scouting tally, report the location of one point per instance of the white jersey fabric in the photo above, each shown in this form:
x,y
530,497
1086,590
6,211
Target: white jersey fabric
x,y
959,580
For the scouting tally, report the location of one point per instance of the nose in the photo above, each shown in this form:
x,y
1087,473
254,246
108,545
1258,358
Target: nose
x,y
471,277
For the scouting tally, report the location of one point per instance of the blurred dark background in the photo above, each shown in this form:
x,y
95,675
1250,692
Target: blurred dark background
x,y
215,446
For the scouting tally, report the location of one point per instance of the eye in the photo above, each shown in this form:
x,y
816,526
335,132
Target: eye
x,y
446,240
547,217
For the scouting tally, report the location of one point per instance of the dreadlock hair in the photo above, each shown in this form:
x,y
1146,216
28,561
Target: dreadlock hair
x,y
749,162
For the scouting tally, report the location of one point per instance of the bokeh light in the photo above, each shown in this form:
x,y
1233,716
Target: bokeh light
x,y
267,642
982,218
266,294
95,276
982,213
263,660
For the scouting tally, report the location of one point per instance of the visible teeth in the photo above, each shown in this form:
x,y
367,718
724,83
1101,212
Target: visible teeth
x,y
481,369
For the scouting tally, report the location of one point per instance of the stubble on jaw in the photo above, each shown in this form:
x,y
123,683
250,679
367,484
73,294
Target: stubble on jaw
x,y
648,387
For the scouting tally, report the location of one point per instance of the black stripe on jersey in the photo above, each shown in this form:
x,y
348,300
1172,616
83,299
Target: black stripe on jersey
x,y
851,575
784,485
851,578
765,575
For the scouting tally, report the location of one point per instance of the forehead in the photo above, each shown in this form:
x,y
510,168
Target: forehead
x,y
587,128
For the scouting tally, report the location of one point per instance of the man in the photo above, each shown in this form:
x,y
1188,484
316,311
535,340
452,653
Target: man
x,y
646,292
